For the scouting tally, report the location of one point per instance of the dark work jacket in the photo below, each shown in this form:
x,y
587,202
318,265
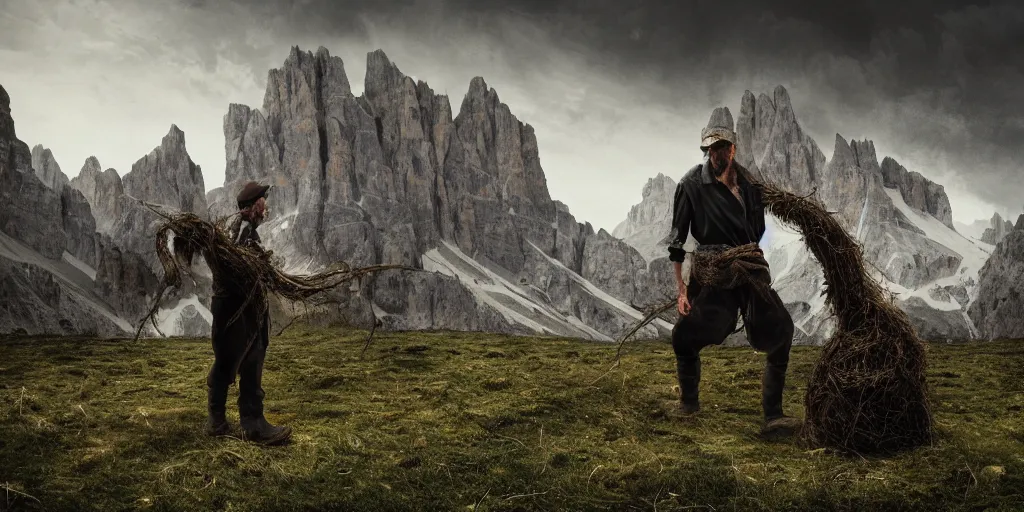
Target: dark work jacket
x,y
705,208
225,284
235,299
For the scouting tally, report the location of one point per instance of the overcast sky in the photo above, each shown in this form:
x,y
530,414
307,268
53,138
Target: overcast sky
x,y
616,94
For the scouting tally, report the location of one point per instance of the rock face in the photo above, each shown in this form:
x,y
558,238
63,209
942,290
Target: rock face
x,y
31,211
59,274
103,191
38,301
168,176
998,228
917,191
772,144
903,221
75,212
648,221
999,306
391,176
891,240
124,280
76,217
47,170
190,323
44,233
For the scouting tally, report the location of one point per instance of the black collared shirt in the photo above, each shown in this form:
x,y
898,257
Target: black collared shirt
x,y
707,209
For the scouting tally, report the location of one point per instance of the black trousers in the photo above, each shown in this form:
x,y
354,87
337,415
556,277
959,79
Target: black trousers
x,y
713,314
239,349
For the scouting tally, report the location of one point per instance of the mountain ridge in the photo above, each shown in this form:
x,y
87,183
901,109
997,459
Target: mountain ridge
x,y
392,176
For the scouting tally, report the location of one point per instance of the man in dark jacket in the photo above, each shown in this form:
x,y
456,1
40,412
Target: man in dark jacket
x,y
717,205
241,333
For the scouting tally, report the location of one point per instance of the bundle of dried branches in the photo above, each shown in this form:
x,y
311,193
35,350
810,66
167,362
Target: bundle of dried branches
x,y
867,393
732,267
725,267
249,268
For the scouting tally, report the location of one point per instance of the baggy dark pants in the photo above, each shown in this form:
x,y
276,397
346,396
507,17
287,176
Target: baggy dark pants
x,y
238,349
712,317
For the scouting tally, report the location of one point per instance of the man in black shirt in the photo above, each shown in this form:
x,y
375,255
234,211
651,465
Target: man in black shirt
x,y
241,333
718,206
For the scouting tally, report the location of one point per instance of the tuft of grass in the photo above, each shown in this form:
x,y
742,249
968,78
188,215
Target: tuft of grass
x,y
470,421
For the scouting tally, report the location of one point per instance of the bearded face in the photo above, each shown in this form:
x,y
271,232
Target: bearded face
x,y
721,154
257,212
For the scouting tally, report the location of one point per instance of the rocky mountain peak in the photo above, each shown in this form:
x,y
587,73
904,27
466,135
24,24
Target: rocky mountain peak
x,y
998,228
1000,294
249,150
168,176
47,169
77,223
650,220
918,191
781,96
103,191
30,211
842,154
381,72
91,167
478,88
745,132
659,183
864,154
391,177
771,143
721,117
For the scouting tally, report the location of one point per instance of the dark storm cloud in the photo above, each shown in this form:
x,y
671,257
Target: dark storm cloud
x,y
937,81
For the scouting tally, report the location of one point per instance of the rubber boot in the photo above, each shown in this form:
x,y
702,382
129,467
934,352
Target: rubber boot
x,y
255,426
216,405
689,386
775,422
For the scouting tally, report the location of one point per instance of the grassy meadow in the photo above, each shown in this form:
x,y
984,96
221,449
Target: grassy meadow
x,y
469,421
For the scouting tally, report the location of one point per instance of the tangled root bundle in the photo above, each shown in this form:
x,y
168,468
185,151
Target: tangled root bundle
x,y
867,393
248,268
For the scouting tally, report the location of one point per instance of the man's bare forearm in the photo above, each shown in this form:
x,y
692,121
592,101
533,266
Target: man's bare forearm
x,y
679,277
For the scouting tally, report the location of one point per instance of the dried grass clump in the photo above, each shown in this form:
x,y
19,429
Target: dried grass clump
x,y
249,268
731,268
867,393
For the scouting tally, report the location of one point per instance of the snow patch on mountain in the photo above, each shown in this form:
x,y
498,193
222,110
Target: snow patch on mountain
x,y
512,301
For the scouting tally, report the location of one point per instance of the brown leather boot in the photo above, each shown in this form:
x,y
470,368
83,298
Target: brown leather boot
x,y
255,426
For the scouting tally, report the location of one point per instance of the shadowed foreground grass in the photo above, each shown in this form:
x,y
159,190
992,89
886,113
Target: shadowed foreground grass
x,y
457,421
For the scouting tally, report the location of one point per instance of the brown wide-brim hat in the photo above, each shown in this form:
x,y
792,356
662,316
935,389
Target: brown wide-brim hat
x,y
711,135
251,193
